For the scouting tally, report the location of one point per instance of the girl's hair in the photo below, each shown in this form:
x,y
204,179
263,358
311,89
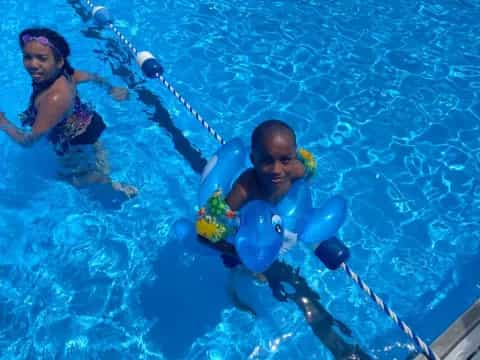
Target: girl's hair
x,y
61,47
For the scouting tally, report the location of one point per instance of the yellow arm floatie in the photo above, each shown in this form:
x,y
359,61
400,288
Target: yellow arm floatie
x,y
216,220
308,161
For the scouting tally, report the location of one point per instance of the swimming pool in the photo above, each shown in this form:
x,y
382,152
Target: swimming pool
x,y
386,95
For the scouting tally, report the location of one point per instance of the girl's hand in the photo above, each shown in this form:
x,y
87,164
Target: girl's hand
x,y
3,119
118,93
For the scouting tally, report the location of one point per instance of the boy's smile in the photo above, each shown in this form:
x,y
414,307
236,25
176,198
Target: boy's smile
x,y
273,159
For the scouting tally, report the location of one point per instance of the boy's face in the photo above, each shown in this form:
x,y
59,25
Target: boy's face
x,y
273,160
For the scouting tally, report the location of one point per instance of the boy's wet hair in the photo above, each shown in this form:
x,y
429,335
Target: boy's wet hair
x,y
57,40
271,127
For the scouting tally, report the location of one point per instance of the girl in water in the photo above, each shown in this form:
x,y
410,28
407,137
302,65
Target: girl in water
x,y
56,111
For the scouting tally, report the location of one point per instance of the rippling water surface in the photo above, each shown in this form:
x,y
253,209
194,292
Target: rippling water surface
x,y
386,96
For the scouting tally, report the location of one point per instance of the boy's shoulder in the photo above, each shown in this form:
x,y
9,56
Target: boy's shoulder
x,y
244,189
249,182
248,176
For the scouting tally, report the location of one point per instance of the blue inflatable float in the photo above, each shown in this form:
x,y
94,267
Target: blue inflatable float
x,y
261,229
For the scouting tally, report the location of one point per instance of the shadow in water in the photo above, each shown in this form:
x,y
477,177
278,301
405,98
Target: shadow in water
x,y
185,300
120,60
287,284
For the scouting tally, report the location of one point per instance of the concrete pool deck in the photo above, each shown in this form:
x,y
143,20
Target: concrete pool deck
x,y
461,340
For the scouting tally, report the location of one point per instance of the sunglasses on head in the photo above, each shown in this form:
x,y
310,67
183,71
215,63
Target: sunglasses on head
x,y
40,39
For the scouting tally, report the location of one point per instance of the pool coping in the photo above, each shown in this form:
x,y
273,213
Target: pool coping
x,y
461,340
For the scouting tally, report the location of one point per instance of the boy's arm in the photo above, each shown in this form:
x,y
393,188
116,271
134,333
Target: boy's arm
x,y
235,199
241,191
222,246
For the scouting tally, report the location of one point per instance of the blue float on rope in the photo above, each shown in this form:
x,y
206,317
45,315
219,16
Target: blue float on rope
x,y
332,252
101,15
149,64
153,70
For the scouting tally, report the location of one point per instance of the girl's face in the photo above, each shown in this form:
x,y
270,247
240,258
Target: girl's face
x,y
40,62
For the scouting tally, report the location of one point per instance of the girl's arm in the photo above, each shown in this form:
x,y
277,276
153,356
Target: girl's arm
x,y
51,110
118,93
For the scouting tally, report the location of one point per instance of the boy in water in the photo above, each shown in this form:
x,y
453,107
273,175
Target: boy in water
x,y
276,166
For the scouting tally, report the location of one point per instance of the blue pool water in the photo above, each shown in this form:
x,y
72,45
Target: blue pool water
x,y
386,95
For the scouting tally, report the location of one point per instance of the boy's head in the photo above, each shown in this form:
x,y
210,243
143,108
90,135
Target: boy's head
x,y
273,154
